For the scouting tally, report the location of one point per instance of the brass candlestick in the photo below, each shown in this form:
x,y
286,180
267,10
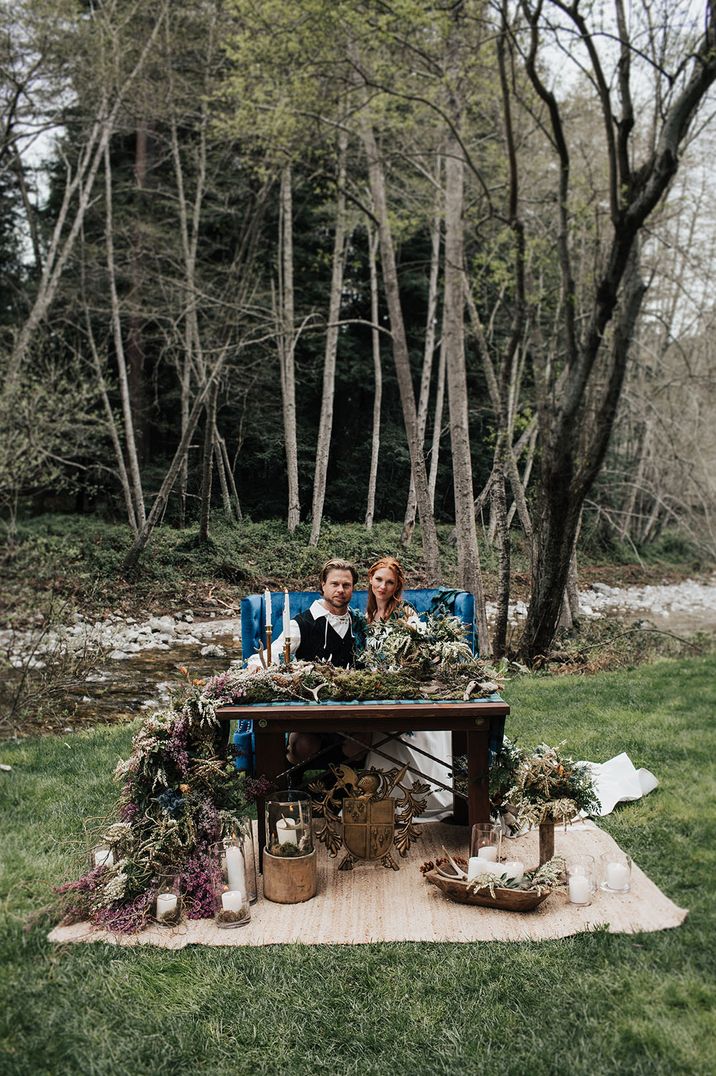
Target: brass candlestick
x,y
269,633
287,651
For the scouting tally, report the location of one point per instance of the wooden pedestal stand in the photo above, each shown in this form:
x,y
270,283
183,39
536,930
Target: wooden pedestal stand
x,y
546,842
290,879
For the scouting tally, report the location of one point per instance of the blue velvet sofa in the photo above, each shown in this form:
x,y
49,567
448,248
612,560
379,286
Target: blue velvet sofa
x,y
253,619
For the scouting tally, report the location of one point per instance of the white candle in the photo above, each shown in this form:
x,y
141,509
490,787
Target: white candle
x,y
477,866
488,851
286,831
166,905
286,616
580,889
235,868
103,857
232,901
267,603
513,869
617,876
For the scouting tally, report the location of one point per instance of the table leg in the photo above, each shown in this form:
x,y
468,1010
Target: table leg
x,y
478,777
270,761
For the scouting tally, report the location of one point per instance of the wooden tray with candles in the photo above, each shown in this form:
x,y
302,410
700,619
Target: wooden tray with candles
x,y
507,900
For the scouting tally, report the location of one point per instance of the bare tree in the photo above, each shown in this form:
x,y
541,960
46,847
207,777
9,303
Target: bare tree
x,y
377,376
577,403
329,363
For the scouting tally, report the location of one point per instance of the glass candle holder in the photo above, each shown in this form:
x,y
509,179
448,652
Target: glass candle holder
x,y
232,909
289,824
168,906
485,841
581,880
615,871
238,861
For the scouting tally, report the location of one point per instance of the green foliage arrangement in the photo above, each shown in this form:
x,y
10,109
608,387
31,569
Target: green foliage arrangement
x,y
551,787
541,880
400,659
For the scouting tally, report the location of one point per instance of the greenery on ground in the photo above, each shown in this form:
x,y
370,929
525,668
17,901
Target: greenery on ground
x,y
593,1004
78,559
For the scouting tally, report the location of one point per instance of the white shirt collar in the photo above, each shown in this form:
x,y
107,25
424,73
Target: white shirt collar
x,y
318,609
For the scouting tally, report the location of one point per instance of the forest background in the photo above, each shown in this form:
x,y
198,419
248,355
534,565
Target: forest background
x,y
420,263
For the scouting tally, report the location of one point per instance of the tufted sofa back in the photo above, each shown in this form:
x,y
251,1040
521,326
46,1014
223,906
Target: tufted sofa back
x,y
253,620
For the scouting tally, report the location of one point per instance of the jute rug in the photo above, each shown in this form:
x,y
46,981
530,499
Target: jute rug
x,y
372,904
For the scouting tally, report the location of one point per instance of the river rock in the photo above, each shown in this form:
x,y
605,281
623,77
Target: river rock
x,y
212,650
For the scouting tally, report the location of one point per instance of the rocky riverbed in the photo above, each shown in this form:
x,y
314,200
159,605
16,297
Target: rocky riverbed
x,y
137,662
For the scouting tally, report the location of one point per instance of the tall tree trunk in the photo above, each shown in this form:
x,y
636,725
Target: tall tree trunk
x,y
221,474
135,347
499,505
132,459
287,343
468,557
207,462
437,424
112,425
401,356
325,425
235,504
377,377
428,353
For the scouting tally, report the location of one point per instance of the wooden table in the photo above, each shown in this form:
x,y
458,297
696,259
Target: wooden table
x,y
471,724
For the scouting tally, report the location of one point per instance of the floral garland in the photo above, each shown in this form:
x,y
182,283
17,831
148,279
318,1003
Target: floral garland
x,y
179,798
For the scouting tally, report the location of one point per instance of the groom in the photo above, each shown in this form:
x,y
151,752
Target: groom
x,y
324,632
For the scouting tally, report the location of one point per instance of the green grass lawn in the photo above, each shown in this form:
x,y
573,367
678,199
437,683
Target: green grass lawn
x,y
593,1004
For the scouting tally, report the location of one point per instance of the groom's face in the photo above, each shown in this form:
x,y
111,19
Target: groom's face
x,y
338,590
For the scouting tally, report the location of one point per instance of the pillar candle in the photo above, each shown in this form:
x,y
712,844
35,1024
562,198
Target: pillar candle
x,y
235,868
166,905
513,869
267,602
617,876
103,857
477,866
232,901
488,851
580,889
286,616
286,831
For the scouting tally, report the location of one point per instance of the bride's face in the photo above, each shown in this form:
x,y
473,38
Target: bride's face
x,y
383,584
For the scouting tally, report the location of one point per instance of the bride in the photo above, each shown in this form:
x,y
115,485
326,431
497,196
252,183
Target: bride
x,y
386,581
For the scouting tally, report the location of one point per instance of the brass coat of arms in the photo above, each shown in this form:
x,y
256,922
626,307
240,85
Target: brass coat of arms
x,y
372,818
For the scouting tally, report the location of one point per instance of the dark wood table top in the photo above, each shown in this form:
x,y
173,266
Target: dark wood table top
x,y
408,714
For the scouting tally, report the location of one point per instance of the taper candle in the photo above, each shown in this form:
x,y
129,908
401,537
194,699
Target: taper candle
x,y
286,616
267,601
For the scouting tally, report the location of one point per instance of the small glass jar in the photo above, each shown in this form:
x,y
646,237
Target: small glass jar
x,y
232,909
615,871
581,880
289,824
485,842
168,910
